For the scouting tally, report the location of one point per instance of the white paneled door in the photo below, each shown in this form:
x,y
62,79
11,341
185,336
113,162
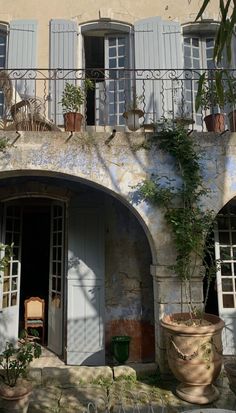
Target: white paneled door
x,y
56,276
10,280
225,249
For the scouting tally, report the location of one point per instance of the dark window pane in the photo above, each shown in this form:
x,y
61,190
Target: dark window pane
x,y
112,63
112,41
54,254
227,284
233,237
112,52
59,284
228,301
225,253
210,42
14,283
14,268
233,222
17,225
226,269
195,41
13,299
54,283
121,41
187,40
224,237
223,222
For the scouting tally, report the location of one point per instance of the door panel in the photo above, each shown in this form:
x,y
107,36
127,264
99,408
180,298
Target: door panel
x,y
10,286
225,250
56,277
85,315
118,83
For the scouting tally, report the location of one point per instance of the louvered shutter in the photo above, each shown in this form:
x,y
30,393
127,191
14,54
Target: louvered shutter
x,y
157,46
22,54
63,56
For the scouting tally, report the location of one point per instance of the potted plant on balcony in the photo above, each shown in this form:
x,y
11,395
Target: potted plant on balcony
x,y
15,390
211,97
133,113
73,96
193,338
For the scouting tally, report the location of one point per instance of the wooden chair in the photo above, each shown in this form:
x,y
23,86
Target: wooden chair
x,y
34,314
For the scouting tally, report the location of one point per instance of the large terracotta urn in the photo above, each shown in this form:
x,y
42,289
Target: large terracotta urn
x,y
194,354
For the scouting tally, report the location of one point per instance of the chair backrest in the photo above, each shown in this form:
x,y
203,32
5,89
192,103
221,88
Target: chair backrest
x,y
34,308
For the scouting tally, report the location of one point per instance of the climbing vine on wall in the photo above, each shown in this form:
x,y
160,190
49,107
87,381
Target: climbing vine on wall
x,y
188,220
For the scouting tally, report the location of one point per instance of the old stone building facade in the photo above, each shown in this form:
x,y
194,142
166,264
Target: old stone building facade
x,y
82,240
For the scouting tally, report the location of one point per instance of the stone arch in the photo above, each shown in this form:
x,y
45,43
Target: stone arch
x,y
34,189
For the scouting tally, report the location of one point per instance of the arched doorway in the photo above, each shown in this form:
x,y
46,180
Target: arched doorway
x,y
95,278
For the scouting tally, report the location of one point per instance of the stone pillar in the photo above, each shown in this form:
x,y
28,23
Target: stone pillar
x,y
169,297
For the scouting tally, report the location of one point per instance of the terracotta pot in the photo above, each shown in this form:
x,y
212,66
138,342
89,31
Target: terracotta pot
x,y
215,122
132,118
15,399
232,121
230,368
194,355
73,121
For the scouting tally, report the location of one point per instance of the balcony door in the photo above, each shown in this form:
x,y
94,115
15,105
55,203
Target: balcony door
x,y
107,64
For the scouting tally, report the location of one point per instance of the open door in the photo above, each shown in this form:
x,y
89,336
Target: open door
x,y
10,285
225,250
56,273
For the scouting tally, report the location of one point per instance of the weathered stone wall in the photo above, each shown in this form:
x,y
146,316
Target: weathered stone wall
x,y
116,168
128,285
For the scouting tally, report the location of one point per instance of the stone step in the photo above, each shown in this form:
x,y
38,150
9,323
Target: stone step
x,y
79,375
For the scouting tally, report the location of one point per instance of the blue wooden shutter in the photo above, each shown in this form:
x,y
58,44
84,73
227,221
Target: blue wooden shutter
x,y
22,53
63,55
157,46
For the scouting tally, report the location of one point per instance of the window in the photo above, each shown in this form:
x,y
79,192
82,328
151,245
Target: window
x,y
106,58
198,55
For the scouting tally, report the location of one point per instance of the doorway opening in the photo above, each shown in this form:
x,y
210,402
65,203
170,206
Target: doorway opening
x,y
35,256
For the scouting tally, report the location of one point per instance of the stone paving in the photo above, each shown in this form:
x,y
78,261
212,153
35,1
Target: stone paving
x,y
71,397
114,390
137,388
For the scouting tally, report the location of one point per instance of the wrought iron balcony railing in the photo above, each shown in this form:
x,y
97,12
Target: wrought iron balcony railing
x,y
30,99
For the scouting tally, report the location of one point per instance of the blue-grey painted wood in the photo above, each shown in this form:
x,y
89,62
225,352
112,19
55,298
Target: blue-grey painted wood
x,y
157,46
22,54
63,55
85,301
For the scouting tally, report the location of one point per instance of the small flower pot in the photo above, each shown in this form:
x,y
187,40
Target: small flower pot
x,y
120,348
132,118
215,122
73,121
232,121
15,399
